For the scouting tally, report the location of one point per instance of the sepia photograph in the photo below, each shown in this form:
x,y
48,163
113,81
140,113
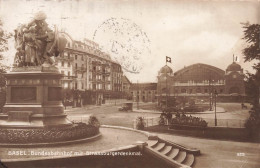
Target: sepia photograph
x,y
129,84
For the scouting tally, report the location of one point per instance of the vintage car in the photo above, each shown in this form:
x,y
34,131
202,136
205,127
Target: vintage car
x,y
126,107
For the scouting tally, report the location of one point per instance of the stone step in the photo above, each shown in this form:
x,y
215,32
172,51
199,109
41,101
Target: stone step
x,y
152,143
165,158
159,146
189,160
173,153
166,150
181,156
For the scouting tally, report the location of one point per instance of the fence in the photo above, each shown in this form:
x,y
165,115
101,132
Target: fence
x,y
78,119
148,121
152,121
229,123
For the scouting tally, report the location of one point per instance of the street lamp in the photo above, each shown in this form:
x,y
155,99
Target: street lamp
x,y
215,94
210,98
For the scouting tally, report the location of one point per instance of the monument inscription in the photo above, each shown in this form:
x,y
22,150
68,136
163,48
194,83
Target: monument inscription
x,y
23,94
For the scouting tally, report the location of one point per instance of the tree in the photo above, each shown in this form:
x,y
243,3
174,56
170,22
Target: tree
x,y
252,52
4,36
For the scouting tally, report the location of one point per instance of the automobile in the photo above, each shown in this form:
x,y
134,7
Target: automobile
x,y
126,106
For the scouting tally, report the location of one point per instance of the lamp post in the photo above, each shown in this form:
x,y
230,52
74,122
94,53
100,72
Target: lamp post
x,y
215,94
211,94
137,96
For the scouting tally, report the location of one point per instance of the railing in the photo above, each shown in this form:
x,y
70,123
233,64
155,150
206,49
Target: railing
x,y
228,123
78,119
149,121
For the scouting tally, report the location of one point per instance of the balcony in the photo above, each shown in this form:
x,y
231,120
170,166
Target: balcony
x,y
65,58
81,69
68,78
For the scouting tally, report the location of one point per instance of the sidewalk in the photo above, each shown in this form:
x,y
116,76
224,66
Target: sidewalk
x,y
91,107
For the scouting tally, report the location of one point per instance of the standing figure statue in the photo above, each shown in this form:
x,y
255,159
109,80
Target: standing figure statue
x,y
35,42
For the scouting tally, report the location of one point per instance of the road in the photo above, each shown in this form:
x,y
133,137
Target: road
x,y
107,115
215,153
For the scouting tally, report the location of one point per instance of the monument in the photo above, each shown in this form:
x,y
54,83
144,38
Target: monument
x,y
34,109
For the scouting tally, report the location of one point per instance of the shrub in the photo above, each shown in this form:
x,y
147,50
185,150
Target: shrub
x,y
253,123
162,121
93,121
140,123
189,121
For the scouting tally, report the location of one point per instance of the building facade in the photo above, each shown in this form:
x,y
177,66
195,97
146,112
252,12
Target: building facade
x,y
89,73
201,81
126,88
144,92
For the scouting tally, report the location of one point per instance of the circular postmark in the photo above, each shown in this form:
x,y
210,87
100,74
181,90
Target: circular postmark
x,y
125,41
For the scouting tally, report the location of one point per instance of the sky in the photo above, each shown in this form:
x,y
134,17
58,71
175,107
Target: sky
x,y
139,34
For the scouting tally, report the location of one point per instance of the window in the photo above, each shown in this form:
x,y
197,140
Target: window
x,y
69,73
82,85
76,57
62,72
198,90
190,91
62,64
82,58
183,90
68,64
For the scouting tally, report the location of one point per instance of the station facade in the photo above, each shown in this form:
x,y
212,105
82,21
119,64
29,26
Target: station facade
x,y
202,81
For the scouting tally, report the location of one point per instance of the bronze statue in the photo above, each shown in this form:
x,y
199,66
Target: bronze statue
x,y
35,42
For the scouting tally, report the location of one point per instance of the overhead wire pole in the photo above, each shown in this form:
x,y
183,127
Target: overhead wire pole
x,y
168,59
166,95
137,95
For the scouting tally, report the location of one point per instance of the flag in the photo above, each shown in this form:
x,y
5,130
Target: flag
x,y
235,58
168,59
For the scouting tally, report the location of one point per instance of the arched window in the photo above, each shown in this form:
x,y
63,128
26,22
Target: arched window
x,y
183,90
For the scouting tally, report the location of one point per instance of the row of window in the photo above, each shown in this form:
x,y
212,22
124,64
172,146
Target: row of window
x,y
198,90
144,92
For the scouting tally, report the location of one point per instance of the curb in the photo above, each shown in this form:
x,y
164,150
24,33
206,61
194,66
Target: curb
x,y
127,147
148,134
89,139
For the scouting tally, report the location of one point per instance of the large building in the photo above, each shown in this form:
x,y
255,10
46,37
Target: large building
x,y
202,81
90,73
126,88
144,92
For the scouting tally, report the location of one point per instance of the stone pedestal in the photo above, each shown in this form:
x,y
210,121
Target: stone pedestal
x,y
34,98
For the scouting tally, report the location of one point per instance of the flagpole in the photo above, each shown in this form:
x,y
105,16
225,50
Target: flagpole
x,y
166,95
